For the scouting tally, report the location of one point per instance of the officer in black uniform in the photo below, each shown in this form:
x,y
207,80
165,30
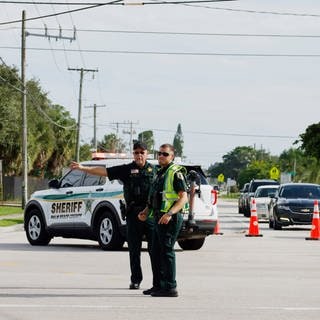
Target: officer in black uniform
x,y
137,177
168,221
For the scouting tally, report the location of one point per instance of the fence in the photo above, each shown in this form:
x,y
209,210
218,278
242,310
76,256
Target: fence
x,y
12,190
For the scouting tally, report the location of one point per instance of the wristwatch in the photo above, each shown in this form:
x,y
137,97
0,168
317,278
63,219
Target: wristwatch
x,y
170,213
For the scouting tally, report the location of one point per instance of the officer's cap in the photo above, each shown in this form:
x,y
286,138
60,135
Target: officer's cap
x,y
140,145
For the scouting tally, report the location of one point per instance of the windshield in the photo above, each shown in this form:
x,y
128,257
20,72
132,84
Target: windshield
x,y
301,192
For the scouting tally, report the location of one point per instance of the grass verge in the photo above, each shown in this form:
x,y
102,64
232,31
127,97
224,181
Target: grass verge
x,y
10,222
5,210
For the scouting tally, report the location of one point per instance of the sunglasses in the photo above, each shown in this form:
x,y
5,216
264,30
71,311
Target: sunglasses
x,y
138,152
165,154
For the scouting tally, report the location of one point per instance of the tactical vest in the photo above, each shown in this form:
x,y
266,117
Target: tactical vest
x,y
169,195
136,188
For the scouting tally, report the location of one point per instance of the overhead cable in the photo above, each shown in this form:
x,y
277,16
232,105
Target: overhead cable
x,y
229,54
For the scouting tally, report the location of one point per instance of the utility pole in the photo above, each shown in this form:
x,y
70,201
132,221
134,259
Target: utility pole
x,y
95,123
81,70
131,132
24,185
24,153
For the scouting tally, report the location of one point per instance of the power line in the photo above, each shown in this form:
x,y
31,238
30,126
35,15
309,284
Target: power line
x,y
115,2
207,132
229,54
33,99
258,12
185,33
60,13
100,3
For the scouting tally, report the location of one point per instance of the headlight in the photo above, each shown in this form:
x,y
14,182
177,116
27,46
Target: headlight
x,y
283,207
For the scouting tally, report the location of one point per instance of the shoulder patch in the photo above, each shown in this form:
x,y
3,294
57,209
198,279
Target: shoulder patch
x,y
180,175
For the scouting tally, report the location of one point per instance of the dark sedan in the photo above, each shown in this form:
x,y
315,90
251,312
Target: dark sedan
x,y
293,205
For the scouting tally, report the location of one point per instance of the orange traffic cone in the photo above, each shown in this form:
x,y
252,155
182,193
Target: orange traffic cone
x,y
315,229
216,230
254,226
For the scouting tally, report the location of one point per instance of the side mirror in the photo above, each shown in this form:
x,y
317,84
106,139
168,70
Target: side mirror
x,y
54,184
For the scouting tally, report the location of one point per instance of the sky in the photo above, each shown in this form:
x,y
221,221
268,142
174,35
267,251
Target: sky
x,y
234,73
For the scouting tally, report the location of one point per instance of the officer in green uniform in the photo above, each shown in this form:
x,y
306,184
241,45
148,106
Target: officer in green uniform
x,y
168,199
137,178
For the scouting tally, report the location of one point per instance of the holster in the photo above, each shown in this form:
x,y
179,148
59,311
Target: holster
x,y
123,209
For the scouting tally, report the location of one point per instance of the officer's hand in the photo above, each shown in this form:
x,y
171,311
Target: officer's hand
x,y
142,216
74,165
165,219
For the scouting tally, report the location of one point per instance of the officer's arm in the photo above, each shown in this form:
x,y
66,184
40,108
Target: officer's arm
x,y
98,171
183,199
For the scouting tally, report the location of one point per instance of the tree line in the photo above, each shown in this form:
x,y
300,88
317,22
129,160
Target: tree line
x,y
245,163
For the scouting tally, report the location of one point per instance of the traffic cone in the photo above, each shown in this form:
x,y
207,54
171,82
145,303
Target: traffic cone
x,y
254,226
216,230
315,228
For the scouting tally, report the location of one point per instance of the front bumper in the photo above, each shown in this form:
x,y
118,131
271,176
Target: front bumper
x,y
288,217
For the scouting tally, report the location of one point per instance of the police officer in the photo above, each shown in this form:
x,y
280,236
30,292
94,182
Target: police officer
x,y
137,177
168,199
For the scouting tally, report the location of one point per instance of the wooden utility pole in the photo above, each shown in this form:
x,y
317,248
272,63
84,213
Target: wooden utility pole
x,y
95,123
81,70
24,184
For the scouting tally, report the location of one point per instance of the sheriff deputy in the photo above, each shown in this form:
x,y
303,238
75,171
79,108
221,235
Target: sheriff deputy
x,y
136,177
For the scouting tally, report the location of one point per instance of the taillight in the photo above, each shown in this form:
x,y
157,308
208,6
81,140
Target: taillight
x,y
214,196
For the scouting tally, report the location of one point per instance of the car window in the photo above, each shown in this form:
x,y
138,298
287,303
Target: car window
x,y
203,179
71,179
93,180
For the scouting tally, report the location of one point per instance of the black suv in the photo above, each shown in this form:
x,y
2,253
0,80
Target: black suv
x,y
253,185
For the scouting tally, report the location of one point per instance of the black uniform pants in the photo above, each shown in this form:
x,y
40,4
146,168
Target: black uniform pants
x,y
136,229
163,255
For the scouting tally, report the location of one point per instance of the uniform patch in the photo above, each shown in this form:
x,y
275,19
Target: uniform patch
x,y
134,171
180,175
149,169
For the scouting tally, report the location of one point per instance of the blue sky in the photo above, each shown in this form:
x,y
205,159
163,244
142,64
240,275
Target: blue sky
x,y
222,101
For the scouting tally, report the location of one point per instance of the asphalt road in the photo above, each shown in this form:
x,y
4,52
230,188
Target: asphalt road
x,y
231,277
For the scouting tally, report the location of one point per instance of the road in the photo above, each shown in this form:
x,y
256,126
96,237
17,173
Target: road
x,y
231,277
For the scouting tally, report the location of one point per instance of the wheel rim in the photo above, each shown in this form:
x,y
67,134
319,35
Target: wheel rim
x,y
34,227
106,231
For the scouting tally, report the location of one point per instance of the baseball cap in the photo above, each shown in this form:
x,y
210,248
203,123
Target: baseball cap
x,y
140,145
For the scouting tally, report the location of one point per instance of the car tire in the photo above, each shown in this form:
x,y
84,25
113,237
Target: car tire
x,y
276,224
107,232
247,213
35,228
270,224
191,244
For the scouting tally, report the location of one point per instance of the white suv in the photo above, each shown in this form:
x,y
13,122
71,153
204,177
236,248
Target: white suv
x,y
84,206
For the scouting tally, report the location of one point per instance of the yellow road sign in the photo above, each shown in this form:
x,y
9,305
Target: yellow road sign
x,y
220,177
274,173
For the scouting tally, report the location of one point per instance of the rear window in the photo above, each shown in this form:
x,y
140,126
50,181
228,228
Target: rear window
x,y
265,192
256,184
198,169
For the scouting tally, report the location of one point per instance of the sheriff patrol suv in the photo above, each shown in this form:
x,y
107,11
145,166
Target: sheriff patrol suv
x,y
84,206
